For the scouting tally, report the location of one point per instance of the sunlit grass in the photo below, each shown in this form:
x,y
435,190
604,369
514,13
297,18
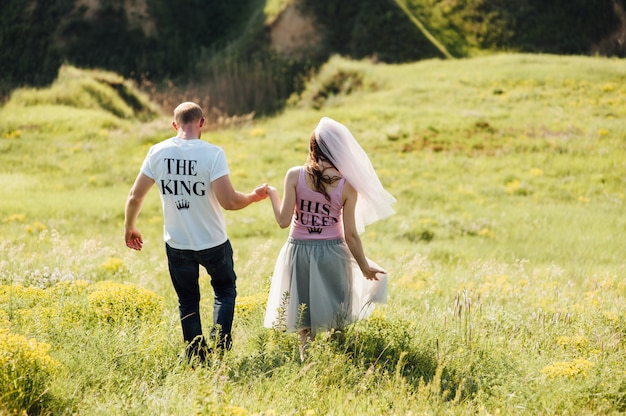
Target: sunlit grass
x,y
505,255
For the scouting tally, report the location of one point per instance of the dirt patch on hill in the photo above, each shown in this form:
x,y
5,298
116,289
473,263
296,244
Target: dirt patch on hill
x,y
293,33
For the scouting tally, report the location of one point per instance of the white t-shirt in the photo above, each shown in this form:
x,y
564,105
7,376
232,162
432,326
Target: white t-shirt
x,y
183,171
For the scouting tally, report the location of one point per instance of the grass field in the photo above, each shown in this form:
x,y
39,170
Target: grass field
x,y
506,254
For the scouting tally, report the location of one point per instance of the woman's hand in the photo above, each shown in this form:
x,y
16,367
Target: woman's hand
x,y
372,272
271,190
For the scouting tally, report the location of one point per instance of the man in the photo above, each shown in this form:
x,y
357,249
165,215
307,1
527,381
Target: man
x,y
192,176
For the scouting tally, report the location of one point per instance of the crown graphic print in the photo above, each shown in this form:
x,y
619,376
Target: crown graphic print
x,y
182,204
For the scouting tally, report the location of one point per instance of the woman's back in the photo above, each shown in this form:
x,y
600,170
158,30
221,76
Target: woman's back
x,y
315,217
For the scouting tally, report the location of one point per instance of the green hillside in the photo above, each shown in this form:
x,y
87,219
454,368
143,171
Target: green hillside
x,y
244,56
505,256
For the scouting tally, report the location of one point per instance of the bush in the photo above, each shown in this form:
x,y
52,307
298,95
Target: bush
x,y
389,344
26,370
336,77
118,303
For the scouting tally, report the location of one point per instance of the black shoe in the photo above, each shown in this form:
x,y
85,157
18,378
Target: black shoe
x,y
225,342
197,351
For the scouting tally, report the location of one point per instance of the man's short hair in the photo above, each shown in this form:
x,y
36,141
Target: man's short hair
x,y
187,112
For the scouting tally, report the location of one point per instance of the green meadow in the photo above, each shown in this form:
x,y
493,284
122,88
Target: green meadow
x,y
506,256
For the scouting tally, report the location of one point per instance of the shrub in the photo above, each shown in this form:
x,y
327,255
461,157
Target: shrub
x,y
124,303
248,307
578,366
25,372
389,344
337,77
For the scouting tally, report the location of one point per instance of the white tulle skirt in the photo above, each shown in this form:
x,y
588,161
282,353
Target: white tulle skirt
x,y
317,284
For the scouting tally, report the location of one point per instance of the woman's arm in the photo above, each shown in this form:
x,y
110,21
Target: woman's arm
x,y
283,211
353,240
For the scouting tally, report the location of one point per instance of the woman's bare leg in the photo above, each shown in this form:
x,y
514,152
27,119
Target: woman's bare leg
x,y
304,336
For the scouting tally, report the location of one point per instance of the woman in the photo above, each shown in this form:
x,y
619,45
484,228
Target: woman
x,y
322,278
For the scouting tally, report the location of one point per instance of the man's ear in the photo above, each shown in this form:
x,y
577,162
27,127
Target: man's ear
x,y
202,122
175,125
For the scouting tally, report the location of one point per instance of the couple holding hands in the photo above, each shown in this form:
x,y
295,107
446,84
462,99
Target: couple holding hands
x,y
322,279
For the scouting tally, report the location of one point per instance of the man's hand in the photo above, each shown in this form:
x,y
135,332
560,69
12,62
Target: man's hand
x,y
260,192
133,238
135,198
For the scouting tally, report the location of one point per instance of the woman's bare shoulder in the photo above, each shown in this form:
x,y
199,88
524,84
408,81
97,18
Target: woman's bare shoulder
x,y
292,174
349,191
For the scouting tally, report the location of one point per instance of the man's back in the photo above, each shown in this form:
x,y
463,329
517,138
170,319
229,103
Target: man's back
x,y
183,171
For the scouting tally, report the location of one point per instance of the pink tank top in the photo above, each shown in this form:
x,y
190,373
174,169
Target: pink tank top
x,y
316,218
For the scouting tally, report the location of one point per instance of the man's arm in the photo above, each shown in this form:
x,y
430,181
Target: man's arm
x,y
232,200
137,193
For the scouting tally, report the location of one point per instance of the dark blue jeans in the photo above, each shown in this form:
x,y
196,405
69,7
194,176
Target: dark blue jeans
x,y
184,266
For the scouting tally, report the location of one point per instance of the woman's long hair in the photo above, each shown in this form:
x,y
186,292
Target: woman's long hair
x,y
313,168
